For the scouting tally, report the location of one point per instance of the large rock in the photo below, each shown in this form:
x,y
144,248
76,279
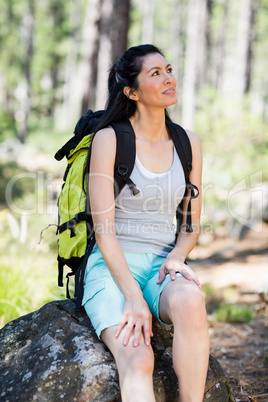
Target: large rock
x,y
54,355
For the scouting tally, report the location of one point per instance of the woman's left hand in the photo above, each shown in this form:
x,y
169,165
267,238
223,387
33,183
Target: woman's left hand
x,y
173,264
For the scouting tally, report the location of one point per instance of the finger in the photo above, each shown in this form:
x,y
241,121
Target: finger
x,y
137,333
196,280
128,332
120,326
147,331
151,327
190,275
184,271
172,274
198,283
161,275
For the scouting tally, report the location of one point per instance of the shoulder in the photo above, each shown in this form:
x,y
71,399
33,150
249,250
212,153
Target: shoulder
x,y
105,139
104,135
104,145
194,139
196,148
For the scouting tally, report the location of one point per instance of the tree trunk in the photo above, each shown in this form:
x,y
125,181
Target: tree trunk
x,y
207,42
148,21
242,47
104,55
190,70
221,47
26,100
177,52
71,94
119,28
55,80
8,90
202,53
90,45
251,37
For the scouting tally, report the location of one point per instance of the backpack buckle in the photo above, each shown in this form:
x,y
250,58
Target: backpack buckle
x,y
121,171
189,166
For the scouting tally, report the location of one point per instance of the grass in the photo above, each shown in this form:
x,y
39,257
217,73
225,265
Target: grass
x,y
15,293
224,306
27,284
28,271
234,313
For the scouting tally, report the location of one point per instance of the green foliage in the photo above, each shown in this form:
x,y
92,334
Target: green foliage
x,y
213,298
224,307
51,36
235,150
239,135
45,138
28,272
14,178
15,293
7,126
24,288
234,313
134,33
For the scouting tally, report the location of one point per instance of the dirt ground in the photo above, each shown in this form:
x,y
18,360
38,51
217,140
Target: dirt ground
x,y
238,270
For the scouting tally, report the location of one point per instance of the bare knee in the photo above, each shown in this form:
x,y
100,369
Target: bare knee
x,y
140,360
129,358
186,302
135,368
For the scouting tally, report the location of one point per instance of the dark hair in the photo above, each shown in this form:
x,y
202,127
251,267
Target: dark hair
x,y
124,73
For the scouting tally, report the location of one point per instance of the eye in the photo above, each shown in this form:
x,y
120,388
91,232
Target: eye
x,y
155,73
169,70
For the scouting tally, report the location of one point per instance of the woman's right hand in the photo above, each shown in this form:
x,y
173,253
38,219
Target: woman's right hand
x,y
136,319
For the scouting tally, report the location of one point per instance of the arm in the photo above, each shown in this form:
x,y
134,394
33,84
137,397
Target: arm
x,y
101,189
186,241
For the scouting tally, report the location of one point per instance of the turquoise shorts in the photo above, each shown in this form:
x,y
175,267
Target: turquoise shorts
x,y
104,301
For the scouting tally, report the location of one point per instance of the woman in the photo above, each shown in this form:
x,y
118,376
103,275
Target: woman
x,y
137,270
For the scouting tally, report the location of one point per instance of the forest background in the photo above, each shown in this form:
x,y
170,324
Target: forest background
x,y
55,57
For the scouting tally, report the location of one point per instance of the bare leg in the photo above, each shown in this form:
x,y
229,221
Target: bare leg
x,y
135,367
182,304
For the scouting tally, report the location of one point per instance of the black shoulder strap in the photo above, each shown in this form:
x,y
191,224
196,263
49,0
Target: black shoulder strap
x,y
184,150
125,156
183,147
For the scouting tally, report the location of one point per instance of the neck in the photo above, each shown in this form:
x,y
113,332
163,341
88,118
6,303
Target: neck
x,y
150,125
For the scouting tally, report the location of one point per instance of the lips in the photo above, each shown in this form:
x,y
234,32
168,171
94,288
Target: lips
x,y
169,91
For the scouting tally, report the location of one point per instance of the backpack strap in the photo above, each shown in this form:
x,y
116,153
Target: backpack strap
x,y
184,150
183,147
80,274
125,156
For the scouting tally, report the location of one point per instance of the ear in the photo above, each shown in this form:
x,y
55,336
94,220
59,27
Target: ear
x,y
129,93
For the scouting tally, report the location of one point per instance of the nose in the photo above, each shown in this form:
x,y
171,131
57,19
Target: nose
x,y
169,79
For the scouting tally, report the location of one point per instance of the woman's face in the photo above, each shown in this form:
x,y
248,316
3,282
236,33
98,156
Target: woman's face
x,y
156,83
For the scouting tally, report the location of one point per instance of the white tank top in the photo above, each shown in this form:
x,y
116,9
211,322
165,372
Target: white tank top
x,y
145,223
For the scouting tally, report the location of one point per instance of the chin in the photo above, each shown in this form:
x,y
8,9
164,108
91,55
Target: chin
x,y
173,101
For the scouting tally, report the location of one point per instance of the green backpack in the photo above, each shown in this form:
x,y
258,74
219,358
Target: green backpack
x,y
75,226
